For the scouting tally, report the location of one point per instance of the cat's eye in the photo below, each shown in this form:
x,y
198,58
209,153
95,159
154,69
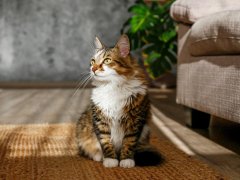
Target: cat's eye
x,y
107,61
92,62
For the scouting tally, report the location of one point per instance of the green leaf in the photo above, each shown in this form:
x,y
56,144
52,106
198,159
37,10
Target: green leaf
x,y
151,29
166,36
152,57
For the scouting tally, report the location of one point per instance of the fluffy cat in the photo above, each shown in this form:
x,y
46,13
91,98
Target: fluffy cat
x,y
115,126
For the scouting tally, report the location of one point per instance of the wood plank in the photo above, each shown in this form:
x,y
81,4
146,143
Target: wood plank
x,y
40,85
42,106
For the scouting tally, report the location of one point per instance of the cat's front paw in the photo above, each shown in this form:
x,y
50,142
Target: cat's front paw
x,y
109,162
127,163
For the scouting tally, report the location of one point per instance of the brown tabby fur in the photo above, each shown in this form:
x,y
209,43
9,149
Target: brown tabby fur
x,y
93,130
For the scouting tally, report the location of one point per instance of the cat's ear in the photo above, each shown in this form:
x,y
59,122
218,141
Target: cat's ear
x,y
98,44
123,45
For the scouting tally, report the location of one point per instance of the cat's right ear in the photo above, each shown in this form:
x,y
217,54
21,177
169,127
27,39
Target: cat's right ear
x,y
98,44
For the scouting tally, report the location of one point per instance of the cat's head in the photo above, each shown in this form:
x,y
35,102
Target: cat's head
x,y
112,64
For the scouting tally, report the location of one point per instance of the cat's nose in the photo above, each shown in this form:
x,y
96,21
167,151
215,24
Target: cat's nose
x,y
94,68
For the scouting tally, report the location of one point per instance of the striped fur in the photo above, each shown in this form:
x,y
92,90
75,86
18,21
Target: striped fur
x,y
116,123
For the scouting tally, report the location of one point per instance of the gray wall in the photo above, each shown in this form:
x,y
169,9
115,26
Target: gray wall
x,y
51,40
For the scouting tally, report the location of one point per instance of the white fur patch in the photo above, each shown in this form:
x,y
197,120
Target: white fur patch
x,y
127,163
112,97
117,135
109,162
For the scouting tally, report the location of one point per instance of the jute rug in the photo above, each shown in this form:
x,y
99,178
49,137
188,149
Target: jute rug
x,y
49,152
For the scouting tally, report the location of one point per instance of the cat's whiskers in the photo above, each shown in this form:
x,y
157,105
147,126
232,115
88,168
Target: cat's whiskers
x,y
84,82
82,78
86,77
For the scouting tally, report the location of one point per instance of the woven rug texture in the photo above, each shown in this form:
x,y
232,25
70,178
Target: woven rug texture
x,y
44,151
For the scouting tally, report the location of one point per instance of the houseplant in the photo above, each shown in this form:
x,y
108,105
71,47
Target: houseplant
x,y
153,33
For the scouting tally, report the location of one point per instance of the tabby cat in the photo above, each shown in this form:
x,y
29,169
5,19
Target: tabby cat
x,y
115,126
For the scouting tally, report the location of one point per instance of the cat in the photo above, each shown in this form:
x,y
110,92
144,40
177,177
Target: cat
x,y
115,127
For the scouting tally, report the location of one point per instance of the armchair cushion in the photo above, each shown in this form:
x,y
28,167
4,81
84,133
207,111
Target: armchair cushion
x,y
189,11
218,34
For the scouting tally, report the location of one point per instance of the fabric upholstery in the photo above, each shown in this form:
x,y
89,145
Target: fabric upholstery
x,y
208,83
217,34
189,11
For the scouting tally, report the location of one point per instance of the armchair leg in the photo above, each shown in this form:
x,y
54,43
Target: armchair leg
x,y
199,120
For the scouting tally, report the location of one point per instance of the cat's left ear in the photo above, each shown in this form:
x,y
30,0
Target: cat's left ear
x,y
123,45
98,44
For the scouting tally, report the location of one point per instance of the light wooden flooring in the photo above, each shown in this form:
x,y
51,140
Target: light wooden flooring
x,y
219,146
24,106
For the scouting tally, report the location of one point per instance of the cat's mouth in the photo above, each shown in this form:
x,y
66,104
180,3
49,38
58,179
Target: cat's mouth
x,y
99,77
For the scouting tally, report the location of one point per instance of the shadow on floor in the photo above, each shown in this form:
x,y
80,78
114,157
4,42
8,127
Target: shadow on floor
x,y
223,132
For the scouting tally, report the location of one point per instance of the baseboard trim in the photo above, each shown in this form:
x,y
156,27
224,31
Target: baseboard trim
x,y
39,85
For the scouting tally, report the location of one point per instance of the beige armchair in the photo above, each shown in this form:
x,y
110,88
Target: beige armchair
x,y
208,75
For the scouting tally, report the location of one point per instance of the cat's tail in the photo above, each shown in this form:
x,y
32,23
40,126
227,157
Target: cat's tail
x,y
147,155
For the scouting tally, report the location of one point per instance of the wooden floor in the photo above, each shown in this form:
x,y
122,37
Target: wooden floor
x,y
24,106
219,146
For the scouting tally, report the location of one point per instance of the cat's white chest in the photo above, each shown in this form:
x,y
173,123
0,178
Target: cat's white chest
x,y
111,100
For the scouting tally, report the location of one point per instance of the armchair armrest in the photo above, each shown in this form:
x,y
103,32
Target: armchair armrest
x,y
189,11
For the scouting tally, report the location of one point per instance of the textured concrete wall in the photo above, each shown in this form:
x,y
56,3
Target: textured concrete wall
x,y
51,40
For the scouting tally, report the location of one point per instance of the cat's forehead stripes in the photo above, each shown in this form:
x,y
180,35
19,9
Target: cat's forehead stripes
x,y
102,54
99,54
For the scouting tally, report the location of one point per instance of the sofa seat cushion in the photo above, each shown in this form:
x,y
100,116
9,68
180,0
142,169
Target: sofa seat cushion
x,y
189,11
218,34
